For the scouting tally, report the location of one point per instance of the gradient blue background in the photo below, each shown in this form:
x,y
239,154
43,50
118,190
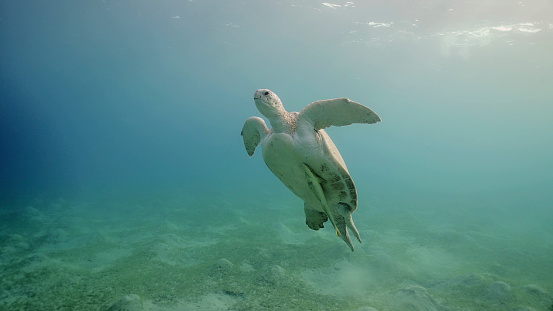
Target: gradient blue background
x,y
138,96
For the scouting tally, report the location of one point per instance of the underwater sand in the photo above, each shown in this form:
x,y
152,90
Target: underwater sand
x,y
187,252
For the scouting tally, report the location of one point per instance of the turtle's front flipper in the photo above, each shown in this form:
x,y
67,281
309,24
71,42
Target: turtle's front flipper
x,y
315,186
253,131
335,112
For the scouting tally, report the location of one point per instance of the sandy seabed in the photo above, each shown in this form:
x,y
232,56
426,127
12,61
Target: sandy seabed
x,y
224,252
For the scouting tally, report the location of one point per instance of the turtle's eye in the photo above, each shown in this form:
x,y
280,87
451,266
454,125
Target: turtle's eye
x,y
266,93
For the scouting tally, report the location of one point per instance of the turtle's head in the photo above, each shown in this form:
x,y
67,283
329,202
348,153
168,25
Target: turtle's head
x,y
268,103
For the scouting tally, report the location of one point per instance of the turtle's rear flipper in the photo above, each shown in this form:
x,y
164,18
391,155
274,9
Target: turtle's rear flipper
x,y
313,218
339,214
315,185
345,212
342,225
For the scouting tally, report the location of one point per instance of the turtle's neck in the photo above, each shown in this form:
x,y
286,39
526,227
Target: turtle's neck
x,y
284,122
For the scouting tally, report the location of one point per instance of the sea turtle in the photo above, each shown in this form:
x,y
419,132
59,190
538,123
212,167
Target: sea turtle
x,y
301,154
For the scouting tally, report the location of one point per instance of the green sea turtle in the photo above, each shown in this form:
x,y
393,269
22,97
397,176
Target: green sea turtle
x,y
301,154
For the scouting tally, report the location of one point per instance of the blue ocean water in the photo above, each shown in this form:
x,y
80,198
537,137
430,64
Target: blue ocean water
x,y
125,183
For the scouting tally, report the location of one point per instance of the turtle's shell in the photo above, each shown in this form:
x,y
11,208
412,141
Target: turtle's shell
x,y
284,154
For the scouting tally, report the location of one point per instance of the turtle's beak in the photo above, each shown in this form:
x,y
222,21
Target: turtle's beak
x,y
257,94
